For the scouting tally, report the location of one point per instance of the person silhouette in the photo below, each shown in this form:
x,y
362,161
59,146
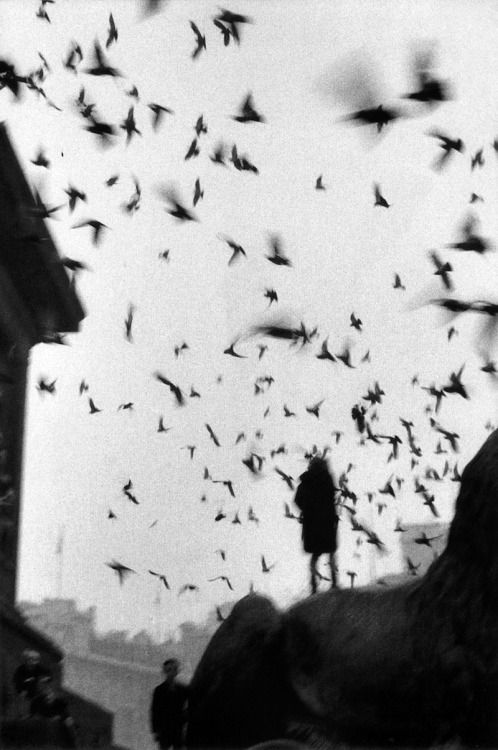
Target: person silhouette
x,y
315,498
168,709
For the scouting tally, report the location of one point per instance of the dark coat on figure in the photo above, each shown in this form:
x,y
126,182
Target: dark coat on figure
x,y
167,713
315,499
27,678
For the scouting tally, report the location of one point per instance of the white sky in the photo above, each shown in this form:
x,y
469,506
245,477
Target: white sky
x,y
344,253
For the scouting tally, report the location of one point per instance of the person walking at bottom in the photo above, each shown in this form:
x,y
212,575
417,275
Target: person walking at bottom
x,y
168,709
315,498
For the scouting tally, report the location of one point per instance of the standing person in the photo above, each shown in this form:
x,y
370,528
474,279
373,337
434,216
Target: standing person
x,y
168,709
315,498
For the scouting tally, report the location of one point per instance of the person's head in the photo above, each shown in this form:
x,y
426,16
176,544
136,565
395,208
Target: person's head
x,y
171,667
31,658
317,464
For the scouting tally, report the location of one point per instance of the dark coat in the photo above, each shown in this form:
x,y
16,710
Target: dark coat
x,y
315,499
167,713
27,678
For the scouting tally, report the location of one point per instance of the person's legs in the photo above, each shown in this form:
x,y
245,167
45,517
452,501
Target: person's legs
x,y
313,571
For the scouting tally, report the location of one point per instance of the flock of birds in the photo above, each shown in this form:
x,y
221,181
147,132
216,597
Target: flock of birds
x,y
429,92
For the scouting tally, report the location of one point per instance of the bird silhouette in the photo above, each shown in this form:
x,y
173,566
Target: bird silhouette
x,y
355,322
175,390
101,67
271,295
289,481
472,241
424,540
122,570
247,112
230,20
97,227
315,409
40,159
379,198
448,145
188,587
162,578
112,34
430,90
177,209
198,192
212,435
43,386
93,408
277,257
129,322
222,578
200,41
161,427
442,269
129,125
231,351
193,150
319,183
218,155
74,195
237,250
264,567
158,112
412,568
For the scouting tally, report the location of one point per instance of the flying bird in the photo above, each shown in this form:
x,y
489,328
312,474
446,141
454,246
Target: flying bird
x,y
74,195
289,481
231,351
472,242
161,427
237,250
212,435
247,112
231,21
97,227
129,125
101,66
122,570
175,390
278,258
264,567
379,198
43,386
271,295
112,34
188,587
128,323
40,159
200,41
93,408
193,150
198,193
222,578
442,269
177,209
158,112
161,577
448,145
430,90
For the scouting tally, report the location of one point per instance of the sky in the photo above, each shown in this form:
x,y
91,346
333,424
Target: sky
x,y
306,65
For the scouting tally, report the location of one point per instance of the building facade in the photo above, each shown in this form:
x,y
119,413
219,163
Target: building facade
x,y
37,302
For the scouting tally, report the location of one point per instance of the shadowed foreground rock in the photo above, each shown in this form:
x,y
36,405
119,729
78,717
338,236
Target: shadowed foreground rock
x,y
415,664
